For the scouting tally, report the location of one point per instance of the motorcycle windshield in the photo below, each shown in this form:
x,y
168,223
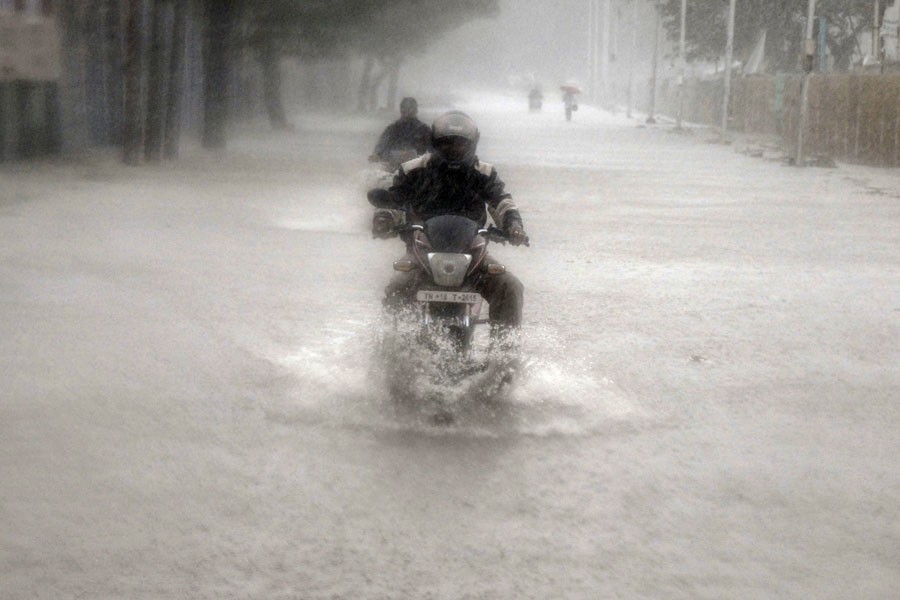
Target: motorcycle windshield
x,y
450,233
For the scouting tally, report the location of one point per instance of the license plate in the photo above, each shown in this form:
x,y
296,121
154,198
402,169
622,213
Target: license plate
x,y
447,296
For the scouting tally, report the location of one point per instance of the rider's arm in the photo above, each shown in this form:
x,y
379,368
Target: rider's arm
x,y
423,139
401,188
406,178
502,208
388,222
504,211
384,142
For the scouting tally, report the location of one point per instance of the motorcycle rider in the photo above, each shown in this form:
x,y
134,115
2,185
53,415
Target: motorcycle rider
x,y
407,133
570,103
535,99
451,180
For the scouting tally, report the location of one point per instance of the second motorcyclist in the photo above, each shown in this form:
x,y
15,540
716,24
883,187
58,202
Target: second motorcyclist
x,y
451,180
405,138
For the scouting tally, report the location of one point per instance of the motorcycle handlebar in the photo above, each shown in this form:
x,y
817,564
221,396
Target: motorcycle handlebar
x,y
495,234
492,233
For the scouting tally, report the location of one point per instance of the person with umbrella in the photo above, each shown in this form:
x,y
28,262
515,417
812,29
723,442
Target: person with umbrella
x,y
569,100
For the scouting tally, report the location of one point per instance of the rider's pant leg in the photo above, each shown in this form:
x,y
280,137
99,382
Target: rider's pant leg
x,y
505,294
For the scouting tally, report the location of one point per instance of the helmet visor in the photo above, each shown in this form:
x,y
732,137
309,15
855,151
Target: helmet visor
x,y
453,148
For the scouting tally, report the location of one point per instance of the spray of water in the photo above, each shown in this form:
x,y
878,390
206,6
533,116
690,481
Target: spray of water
x,y
360,377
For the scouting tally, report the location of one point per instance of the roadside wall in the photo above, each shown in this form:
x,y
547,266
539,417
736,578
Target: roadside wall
x,y
852,116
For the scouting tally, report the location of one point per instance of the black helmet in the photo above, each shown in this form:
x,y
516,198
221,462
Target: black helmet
x,y
454,137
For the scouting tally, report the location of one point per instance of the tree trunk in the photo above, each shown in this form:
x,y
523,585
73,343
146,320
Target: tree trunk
x,y
156,82
842,48
73,107
193,71
95,72
113,70
270,62
373,89
176,81
393,81
365,84
133,133
219,21
52,123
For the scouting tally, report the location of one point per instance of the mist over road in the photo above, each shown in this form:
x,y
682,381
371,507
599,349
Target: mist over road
x,y
189,407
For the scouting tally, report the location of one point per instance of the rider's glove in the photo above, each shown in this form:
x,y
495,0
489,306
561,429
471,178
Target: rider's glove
x,y
383,224
516,234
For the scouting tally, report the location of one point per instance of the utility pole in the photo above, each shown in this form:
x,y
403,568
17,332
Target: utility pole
x,y
729,58
876,33
605,30
651,117
681,64
592,49
599,24
823,45
133,126
810,51
597,39
633,54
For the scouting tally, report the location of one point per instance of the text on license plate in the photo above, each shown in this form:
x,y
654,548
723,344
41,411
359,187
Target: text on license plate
x,y
446,296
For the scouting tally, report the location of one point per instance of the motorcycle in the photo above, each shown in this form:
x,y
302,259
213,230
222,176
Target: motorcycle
x,y
435,334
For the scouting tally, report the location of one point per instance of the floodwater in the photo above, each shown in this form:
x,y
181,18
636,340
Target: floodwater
x,y
708,408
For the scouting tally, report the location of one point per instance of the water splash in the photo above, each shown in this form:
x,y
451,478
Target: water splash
x,y
348,381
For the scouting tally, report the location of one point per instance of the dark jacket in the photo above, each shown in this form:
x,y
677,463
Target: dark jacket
x,y
427,187
401,134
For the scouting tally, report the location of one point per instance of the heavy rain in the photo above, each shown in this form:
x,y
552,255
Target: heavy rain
x,y
207,392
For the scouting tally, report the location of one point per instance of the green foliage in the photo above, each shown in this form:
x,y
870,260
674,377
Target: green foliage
x,y
783,21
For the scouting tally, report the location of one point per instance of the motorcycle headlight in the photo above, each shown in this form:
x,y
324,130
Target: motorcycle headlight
x,y
449,268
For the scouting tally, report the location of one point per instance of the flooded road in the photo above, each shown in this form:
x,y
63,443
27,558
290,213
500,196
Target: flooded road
x,y
190,407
